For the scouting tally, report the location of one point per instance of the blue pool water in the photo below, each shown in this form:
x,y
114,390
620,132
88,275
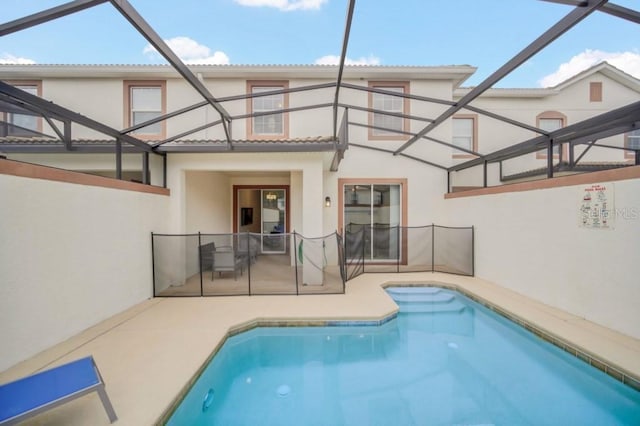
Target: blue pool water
x,y
445,360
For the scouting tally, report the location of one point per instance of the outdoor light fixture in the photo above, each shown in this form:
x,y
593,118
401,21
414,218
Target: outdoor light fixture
x,y
327,202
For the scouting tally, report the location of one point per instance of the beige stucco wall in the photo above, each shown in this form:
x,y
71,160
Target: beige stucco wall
x,y
99,99
207,199
425,184
531,242
95,163
572,101
70,256
189,205
528,242
104,101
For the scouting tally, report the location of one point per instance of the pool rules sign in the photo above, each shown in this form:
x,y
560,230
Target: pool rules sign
x,y
597,210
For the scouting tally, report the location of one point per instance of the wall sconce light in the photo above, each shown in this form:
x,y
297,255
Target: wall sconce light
x,y
327,201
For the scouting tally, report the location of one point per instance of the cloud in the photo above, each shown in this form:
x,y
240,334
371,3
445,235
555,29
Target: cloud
x,y
628,62
191,52
284,5
7,58
335,60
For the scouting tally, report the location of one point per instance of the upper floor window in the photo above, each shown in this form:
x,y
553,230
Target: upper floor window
x,y
144,101
550,121
25,124
464,134
268,125
632,140
391,103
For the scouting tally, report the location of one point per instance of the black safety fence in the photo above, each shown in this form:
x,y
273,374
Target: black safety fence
x,y
354,242
396,249
320,263
247,264
263,264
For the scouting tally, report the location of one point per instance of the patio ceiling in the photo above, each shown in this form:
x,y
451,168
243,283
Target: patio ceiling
x,y
588,131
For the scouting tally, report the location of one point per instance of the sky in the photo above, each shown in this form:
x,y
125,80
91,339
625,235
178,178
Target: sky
x,y
484,34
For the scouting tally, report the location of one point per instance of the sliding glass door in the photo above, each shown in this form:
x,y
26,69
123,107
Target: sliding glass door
x,y
273,220
377,209
264,211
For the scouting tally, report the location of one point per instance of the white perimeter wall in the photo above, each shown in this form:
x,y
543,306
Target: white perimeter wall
x,y
70,256
530,242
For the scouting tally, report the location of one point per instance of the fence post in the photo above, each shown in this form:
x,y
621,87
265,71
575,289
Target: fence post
x,y
484,174
200,263
343,237
364,237
153,265
473,251
433,247
295,254
550,158
342,258
248,261
398,249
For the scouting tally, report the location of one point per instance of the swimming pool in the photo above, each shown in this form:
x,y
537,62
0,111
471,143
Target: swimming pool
x,y
444,359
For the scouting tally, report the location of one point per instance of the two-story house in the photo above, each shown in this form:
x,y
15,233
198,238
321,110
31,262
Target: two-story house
x,y
292,168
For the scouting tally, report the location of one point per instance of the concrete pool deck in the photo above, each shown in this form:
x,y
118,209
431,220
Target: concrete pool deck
x,y
150,352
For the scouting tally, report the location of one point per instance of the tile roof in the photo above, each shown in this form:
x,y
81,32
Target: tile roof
x,y
317,143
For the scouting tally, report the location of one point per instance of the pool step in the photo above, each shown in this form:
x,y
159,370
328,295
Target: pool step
x,y
413,290
419,294
453,307
424,299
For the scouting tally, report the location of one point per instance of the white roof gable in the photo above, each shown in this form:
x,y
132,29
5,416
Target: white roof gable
x,y
606,69
603,68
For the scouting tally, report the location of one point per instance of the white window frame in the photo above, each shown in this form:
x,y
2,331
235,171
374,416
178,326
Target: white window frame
x,y
281,102
630,139
34,88
397,104
278,101
472,137
145,133
546,117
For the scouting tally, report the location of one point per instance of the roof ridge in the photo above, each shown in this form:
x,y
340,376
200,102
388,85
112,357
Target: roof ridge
x,y
106,65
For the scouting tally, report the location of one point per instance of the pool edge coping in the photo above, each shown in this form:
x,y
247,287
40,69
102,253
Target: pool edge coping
x,y
267,322
616,372
601,363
